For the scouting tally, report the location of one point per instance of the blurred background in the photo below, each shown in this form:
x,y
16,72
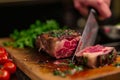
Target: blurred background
x,y
19,14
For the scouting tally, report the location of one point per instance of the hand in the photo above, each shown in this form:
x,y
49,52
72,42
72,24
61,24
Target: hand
x,y
102,6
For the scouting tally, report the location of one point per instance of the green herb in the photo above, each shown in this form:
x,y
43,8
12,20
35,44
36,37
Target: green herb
x,y
61,32
117,65
59,73
27,37
79,68
62,73
66,72
74,69
71,65
110,56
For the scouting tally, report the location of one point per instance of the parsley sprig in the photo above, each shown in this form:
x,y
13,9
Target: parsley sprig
x,y
27,37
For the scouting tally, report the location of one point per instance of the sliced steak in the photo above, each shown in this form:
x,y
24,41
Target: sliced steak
x,y
96,56
58,43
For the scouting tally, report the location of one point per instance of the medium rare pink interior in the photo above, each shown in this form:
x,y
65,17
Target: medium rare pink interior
x,y
96,56
66,47
95,49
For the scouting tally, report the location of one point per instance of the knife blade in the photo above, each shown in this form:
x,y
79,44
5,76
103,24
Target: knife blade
x,y
89,33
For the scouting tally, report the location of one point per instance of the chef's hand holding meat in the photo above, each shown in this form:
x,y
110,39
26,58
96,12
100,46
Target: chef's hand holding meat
x,y
102,6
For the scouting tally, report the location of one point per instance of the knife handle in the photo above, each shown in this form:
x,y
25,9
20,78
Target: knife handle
x,y
94,11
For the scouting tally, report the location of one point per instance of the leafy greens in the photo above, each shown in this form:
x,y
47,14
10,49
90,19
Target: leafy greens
x,y
27,37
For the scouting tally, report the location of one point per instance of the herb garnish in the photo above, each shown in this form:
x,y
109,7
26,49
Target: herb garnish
x,y
111,55
74,69
117,65
58,72
27,37
61,32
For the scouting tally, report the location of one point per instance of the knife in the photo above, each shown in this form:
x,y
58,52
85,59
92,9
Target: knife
x,y
89,33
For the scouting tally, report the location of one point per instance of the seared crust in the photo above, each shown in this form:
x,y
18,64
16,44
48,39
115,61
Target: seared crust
x,y
50,42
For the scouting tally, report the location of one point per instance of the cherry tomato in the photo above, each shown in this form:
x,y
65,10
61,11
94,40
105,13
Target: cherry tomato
x,y
10,67
4,75
4,59
3,55
2,51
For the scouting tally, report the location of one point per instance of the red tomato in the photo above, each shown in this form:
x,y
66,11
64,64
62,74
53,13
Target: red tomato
x,y
10,67
4,75
2,51
3,55
4,59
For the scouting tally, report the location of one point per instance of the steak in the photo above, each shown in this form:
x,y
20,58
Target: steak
x,y
58,43
96,56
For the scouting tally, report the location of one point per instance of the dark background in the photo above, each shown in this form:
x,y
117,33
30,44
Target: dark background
x,y
19,15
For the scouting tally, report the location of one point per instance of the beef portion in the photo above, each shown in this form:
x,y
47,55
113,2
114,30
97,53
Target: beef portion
x,y
58,43
96,56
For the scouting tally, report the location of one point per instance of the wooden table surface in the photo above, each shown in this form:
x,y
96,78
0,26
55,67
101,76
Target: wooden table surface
x,y
23,58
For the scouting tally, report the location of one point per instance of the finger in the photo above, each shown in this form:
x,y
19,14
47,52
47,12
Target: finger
x,y
100,6
79,5
108,2
103,9
104,12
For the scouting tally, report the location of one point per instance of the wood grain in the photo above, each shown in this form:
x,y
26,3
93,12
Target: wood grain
x,y
29,65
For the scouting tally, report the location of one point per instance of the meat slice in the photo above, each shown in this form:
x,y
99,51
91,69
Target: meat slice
x,y
96,56
58,43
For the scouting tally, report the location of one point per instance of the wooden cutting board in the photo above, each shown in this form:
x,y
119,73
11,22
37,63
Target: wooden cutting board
x,y
28,61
